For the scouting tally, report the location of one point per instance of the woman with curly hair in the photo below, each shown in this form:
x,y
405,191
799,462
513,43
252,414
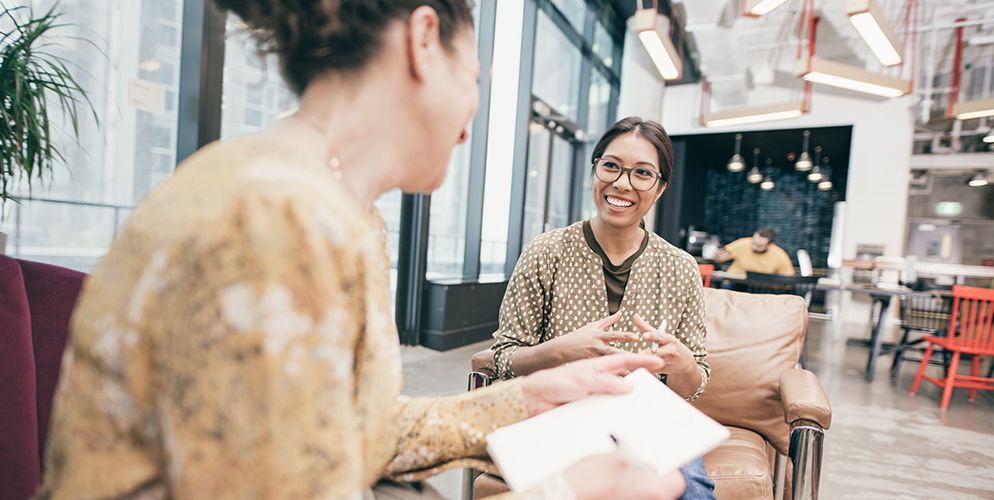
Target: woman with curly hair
x,y
237,340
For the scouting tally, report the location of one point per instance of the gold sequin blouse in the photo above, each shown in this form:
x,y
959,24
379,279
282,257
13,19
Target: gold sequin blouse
x,y
237,342
558,287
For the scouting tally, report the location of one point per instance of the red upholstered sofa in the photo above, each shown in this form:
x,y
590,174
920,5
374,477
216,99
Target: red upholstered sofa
x,y
36,301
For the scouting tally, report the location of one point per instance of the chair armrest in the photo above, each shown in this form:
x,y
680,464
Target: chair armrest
x,y
483,362
804,399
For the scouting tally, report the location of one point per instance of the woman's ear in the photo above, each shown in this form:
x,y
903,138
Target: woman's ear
x,y
660,192
424,40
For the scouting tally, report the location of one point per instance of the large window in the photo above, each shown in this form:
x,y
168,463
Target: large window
x,y
574,82
71,220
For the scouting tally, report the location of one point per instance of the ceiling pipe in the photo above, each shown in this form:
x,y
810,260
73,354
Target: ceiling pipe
x,y
957,70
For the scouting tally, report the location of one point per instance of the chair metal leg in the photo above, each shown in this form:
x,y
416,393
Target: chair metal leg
x,y
806,443
477,380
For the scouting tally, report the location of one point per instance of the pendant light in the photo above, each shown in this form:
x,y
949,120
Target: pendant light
x,y
737,163
804,162
825,185
767,183
815,175
754,176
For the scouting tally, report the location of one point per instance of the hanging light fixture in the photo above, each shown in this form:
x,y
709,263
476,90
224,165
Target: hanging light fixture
x,y
872,25
978,179
737,163
804,162
825,185
989,138
849,77
967,110
754,174
655,36
815,175
767,183
757,8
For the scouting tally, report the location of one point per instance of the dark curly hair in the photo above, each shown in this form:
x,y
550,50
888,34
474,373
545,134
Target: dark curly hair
x,y
313,36
648,130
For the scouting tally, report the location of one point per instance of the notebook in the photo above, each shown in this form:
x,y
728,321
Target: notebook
x,y
654,422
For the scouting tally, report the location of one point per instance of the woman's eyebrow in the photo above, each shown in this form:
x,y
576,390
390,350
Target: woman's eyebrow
x,y
653,165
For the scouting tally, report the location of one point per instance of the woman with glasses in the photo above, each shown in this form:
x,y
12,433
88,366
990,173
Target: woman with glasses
x,y
607,285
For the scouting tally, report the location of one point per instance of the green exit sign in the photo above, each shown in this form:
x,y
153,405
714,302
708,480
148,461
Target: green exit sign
x,y
948,208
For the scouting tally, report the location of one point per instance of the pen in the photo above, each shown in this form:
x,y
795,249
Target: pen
x,y
629,455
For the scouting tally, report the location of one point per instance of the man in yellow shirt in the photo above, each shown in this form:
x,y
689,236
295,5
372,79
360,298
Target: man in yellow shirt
x,y
758,254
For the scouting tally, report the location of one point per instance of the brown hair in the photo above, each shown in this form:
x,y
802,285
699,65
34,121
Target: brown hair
x,y
313,36
768,233
648,130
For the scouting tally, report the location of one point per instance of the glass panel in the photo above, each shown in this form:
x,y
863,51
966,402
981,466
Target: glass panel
x,y
587,208
557,68
599,100
535,184
388,204
574,10
447,221
603,45
113,165
254,94
447,225
561,179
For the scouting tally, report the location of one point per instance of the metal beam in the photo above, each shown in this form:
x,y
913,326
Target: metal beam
x,y
201,76
412,261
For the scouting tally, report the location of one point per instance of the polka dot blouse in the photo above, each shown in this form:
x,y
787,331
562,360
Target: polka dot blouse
x,y
558,287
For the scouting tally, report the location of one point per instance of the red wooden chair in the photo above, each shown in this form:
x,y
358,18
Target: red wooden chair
x,y
706,270
971,331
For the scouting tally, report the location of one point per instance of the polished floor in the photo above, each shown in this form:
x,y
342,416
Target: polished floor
x,y
883,445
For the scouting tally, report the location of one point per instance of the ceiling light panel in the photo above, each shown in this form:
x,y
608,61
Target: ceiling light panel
x,y
850,77
757,8
653,31
872,25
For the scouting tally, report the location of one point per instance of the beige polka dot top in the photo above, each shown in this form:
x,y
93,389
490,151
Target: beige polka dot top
x,y
558,287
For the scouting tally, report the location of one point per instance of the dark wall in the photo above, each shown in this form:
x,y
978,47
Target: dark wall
x,y
704,194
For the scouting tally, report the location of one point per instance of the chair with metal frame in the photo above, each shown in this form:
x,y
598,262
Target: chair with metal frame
x,y
777,413
971,332
925,314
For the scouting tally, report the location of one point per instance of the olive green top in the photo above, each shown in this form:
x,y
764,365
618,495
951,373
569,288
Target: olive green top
x,y
615,277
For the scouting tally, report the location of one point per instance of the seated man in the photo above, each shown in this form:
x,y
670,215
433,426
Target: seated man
x,y
758,254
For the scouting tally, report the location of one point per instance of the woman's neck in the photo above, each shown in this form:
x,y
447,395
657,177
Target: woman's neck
x,y
618,243
344,120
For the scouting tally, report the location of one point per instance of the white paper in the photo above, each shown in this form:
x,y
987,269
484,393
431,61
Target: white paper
x,y
657,424
146,96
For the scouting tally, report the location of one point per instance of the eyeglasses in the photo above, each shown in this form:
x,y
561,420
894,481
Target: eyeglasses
x,y
640,178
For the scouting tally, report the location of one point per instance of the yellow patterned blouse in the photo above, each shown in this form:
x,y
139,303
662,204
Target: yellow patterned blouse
x,y
237,342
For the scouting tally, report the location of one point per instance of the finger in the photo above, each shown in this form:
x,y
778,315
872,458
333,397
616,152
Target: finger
x,y
609,350
616,336
641,324
608,321
618,364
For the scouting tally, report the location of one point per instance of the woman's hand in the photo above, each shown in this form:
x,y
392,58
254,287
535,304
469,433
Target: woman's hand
x,y
589,341
609,477
547,389
680,366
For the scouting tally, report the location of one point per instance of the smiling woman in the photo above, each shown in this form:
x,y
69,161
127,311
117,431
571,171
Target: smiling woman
x,y
607,285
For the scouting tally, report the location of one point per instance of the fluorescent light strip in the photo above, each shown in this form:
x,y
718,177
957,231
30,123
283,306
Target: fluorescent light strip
x,y
850,77
654,37
871,23
753,115
874,36
973,109
654,46
753,8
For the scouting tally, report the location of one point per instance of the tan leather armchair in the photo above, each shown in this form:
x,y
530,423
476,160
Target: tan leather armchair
x,y
772,409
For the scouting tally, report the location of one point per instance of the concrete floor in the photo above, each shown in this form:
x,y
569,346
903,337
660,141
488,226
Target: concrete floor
x,y
884,444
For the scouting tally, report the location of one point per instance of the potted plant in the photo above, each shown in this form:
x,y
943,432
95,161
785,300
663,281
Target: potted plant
x,y
33,80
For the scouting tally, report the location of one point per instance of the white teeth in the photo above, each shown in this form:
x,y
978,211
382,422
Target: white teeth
x,y
617,202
